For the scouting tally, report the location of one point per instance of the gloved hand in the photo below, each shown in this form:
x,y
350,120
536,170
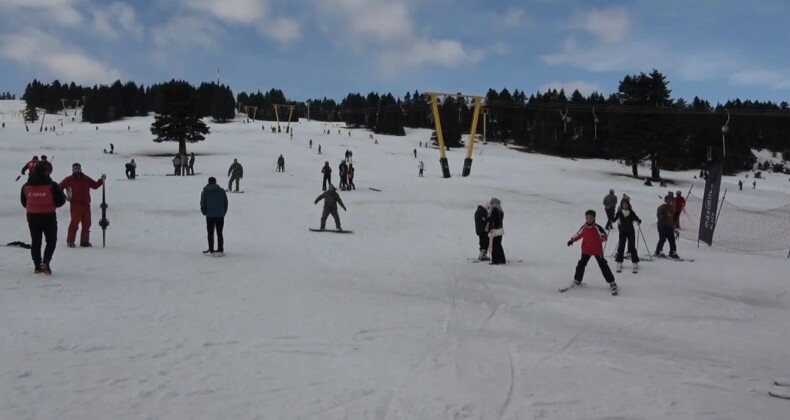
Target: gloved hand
x,y
570,243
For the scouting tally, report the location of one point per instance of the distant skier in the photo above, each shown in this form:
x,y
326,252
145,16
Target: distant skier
x,y
214,205
415,153
665,226
740,184
350,177
319,149
281,164
678,204
421,167
343,172
327,171
184,165
609,204
592,236
626,217
41,196
191,164
236,173
112,148
495,231
311,143
131,170
78,186
177,164
331,200
481,219
29,167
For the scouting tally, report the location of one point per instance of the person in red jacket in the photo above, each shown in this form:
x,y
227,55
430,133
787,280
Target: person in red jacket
x,y
30,167
592,236
79,186
40,196
678,204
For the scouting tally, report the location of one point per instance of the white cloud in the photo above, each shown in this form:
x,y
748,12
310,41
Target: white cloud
x,y
513,18
446,53
380,21
48,54
61,12
585,88
231,11
611,25
187,32
117,17
772,79
282,30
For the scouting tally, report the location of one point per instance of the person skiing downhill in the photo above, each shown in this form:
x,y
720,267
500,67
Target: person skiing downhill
x,y
481,220
236,173
496,230
592,236
79,185
626,217
41,196
331,200
609,204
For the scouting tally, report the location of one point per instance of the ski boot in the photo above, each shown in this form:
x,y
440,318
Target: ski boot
x,y
45,269
635,268
619,268
674,255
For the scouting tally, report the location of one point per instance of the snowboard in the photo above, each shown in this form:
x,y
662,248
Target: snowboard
x,y
782,389
331,230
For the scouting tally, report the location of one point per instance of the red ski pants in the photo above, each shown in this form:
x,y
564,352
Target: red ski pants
x,y
80,213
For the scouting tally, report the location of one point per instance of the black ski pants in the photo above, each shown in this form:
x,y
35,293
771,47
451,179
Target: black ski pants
x,y
233,177
215,223
45,225
629,236
483,239
666,233
327,180
497,252
609,217
327,211
602,264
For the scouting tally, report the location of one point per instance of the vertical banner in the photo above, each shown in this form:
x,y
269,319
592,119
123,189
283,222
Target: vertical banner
x,y
710,202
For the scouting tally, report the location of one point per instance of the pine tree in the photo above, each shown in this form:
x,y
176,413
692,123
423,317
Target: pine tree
x,y
177,119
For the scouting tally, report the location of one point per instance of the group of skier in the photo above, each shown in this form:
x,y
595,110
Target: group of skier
x,y
184,164
346,172
489,229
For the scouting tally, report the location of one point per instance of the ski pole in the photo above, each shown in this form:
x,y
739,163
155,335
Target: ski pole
x,y
645,242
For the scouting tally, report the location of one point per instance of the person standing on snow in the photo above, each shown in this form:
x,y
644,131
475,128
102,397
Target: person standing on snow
x,y
78,186
327,171
421,167
592,236
678,204
350,177
495,231
343,171
609,204
131,170
331,200
666,232
41,196
481,219
47,165
30,166
281,164
236,173
177,164
626,217
191,165
214,205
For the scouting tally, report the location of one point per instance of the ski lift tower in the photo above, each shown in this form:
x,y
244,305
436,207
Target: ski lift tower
x,y
477,102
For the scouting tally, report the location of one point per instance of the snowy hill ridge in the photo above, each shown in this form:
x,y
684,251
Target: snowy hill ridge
x,y
390,322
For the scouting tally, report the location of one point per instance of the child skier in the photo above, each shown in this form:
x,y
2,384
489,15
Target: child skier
x,y
592,236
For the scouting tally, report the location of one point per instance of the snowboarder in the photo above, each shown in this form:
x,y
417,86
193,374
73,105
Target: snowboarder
x,y
327,171
495,231
678,204
214,205
281,164
41,196
343,172
609,204
331,200
78,186
665,226
177,164
421,167
481,219
626,217
131,170
350,177
592,236
191,164
236,173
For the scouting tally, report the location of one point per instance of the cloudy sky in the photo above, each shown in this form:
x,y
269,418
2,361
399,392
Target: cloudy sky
x,y
715,49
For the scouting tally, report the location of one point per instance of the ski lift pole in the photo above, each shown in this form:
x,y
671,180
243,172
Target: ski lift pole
x,y
103,222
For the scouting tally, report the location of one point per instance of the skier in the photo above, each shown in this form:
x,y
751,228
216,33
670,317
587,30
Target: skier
x,y
319,149
495,231
214,205
131,169
177,164
236,173
184,165
30,166
191,165
327,171
609,204
281,164
311,143
350,177
331,200
626,217
112,148
41,196
47,165
666,222
678,204
415,153
421,167
78,186
740,184
343,172
592,236
481,219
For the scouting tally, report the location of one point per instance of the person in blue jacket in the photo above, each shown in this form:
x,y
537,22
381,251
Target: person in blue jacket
x,y
214,205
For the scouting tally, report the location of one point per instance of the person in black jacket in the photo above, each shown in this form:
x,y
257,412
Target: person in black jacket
x,y
495,231
626,217
41,196
327,171
481,218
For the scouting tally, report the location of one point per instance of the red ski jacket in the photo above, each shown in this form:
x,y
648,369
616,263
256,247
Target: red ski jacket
x,y
80,188
592,237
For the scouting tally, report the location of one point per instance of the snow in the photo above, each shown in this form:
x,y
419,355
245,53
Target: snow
x,y
390,322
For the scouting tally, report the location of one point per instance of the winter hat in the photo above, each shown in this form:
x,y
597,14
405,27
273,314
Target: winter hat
x,y
331,187
495,202
677,193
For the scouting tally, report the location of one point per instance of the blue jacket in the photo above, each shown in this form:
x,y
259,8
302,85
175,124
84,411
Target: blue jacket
x,y
213,201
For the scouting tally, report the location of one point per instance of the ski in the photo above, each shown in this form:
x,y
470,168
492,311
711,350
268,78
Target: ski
x,y
779,394
476,260
782,382
573,285
666,257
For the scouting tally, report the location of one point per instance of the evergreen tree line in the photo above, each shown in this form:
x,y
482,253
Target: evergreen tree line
x,y
105,103
7,95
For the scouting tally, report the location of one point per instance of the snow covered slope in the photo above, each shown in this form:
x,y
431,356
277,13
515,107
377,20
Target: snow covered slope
x,y
391,322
